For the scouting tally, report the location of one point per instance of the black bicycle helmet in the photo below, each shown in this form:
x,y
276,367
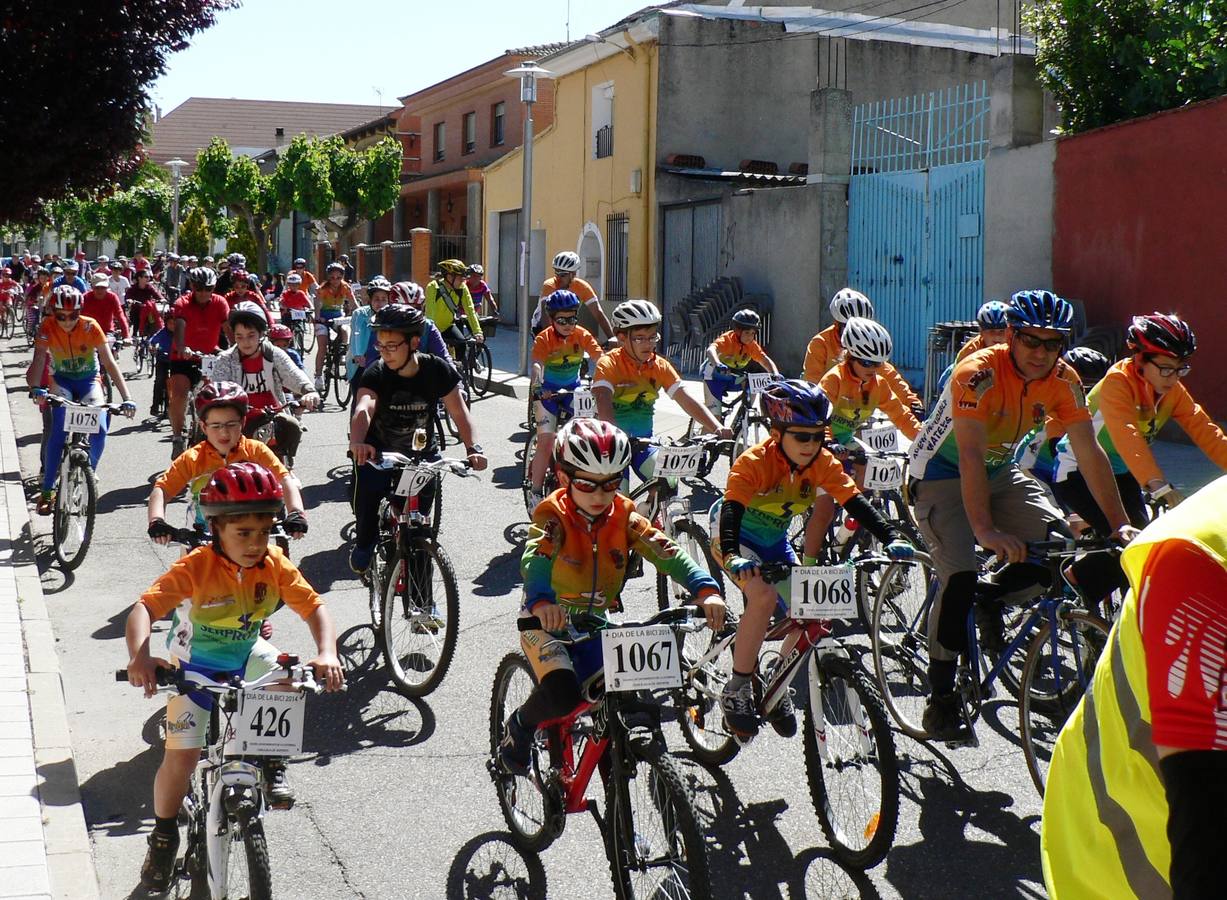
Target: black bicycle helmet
x,y
1089,363
408,320
747,318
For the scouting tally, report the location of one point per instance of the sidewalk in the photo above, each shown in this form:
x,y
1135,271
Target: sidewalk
x,y
44,846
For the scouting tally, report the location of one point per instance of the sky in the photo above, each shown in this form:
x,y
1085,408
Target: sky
x,y
347,52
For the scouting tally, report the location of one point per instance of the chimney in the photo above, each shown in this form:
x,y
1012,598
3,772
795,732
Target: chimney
x,y
280,133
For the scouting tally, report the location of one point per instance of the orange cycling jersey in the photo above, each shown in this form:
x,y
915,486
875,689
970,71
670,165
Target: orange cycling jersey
x,y
219,606
733,353
854,400
988,388
73,354
976,343
581,564
823,353
194,467
331,301
635,387
560,357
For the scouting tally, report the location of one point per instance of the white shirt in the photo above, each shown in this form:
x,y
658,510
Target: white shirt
x,y
120,285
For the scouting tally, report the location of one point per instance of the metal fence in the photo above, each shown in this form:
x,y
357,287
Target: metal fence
x,y
922,131
617,235
604,142
402,262
446,246
372,260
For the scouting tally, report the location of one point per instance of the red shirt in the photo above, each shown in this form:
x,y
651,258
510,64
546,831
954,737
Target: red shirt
x,y
236,297
201,324
150,317
257,400
295,299
106,311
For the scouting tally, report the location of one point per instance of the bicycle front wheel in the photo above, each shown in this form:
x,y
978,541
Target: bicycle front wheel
x,y
341,387
481,369
526,483
245,861
702,716
693,539
76,501
1058,671
901,643
850,763
651,837
421,615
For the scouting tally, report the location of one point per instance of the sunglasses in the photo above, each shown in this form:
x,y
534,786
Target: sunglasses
x,y
806,437
866,363
69,317
1031,342
1169,371
223,426
588,486
565,320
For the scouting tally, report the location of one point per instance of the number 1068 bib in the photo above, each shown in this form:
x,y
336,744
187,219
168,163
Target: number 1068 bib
x,y
823,592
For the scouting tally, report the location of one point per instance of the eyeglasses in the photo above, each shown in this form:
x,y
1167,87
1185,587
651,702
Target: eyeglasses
x,y
216,427
806,437
1169,371
866,363
588,486
70,317
1050,345
565,320
646,340
389,348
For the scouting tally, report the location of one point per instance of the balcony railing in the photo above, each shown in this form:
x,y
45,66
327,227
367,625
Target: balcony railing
x,y
604,142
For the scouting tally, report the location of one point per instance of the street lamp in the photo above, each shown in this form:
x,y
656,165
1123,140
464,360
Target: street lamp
x,y
176,167
528,73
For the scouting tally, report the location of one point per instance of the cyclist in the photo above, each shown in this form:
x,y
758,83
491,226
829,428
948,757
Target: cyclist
x,y
333,300
38,298
566,264
9,289
397,400
736,352
221,407
69,276
558,352
767,485
410,293
267,375
220,596
484,300
992,318
1130,405
968,490
231,272
628,380
575,560
309,282
448,303
282,338
143,288
856,388
245,288
362,352
74,345
824,348
197,320
294,298
101,305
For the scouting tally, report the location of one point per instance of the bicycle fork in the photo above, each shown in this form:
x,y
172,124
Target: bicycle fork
x,y
234,795
855,711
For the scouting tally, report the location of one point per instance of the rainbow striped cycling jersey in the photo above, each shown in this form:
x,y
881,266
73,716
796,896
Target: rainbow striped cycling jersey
x,y
853,401
195,466
635,387
73,354
560,357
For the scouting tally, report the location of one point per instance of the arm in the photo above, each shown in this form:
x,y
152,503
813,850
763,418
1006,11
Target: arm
x,y
1201,428
124,327
466,303
1095,468
292,378
1119,411
364,411
899,385
545,540
672,561
179,328
34,374
900,414
293,495
699,412
603,396
972,439
142,668
712,356
815,360
464,424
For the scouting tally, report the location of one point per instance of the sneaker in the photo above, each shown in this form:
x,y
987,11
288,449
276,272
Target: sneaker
x,y
943,718
159,865
277,784
46,503
360,559
515,750
740,711
784,717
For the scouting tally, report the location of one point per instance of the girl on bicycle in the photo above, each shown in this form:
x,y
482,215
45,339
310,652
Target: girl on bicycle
x,y
362,352
74,344
736,352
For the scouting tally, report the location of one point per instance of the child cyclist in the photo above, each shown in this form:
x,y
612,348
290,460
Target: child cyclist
x,y
629,378
575,560
767,485
558,352
856,387
734,353
221,407
220,595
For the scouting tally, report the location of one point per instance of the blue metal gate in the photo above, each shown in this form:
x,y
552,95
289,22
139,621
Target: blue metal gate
x,y
915,212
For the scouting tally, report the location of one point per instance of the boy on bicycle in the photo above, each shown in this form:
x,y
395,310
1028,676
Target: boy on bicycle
x,y
769,484
575,561
736,352
220,596
558,352
333,300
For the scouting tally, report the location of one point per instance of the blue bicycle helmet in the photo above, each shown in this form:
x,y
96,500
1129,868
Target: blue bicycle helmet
x,y
1041,309
561,301
993,315
796,402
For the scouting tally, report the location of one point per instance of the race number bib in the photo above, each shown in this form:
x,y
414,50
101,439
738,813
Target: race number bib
x,y
298,315
82,420
883,474
583,404
881,438
640,659
412,480
822,592
677,462
207,366
757,381
268,723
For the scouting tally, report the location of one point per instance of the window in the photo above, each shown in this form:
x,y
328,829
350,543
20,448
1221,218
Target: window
x,y
470,132
602,120
617,236
498,116
440,140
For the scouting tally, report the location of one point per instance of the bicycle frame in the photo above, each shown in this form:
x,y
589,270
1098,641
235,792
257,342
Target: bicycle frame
x,y
562,733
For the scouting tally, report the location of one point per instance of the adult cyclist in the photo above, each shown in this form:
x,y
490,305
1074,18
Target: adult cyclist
x,y
566,264
449,304
197,321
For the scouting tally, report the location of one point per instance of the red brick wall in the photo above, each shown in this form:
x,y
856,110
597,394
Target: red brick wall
x,y
1140,222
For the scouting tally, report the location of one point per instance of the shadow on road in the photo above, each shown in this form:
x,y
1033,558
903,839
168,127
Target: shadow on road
x,y
507,477
119,800
122,498
502,574
114,628
325,568
490,866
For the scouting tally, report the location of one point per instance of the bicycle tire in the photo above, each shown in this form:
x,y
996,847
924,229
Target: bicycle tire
x,y
308,337
876,824
526,482
664,795
80,477
196,852
326,375
533,826
254,879
481,369
900,643
702,718
1038,737
341,386
866,581
690,536
422,622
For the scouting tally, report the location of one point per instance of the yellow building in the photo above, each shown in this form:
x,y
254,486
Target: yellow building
x,y
593,171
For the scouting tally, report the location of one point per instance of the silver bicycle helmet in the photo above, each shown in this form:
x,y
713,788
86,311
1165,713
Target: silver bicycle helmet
x,y
866,339
848,303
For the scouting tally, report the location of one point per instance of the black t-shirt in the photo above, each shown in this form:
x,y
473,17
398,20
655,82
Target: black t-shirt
x,y
407,404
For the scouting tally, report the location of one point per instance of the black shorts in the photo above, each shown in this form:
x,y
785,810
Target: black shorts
x,y
188,369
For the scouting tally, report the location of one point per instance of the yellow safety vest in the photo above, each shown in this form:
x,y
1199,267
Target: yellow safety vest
x,y
1104,831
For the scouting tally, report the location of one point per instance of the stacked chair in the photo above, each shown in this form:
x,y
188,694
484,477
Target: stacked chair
x,y
699,318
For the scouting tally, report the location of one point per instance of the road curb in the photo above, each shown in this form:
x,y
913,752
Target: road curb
x,y
70,861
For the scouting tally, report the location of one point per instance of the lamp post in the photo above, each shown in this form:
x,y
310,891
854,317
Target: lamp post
x,y
176,167
528,73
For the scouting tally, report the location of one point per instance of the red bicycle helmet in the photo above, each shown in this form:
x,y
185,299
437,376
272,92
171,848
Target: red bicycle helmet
x,y
67,297
1166,335
239,488
280,332
221,393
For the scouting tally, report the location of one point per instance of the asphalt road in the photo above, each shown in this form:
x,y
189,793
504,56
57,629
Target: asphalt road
x,y
393,796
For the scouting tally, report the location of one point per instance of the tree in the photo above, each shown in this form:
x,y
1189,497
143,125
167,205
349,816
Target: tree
x,y
1111,60
76,75
365,184
194,233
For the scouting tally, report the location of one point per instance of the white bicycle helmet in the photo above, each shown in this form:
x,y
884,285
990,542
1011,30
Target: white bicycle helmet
x,y
293,278
635,314
866,339
408,293
592,445
566,261
848,303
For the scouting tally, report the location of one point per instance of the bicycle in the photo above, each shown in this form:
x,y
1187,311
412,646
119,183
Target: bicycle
x,y
303,326
651,835
476,366
1061,644
32,320
260,427
226,851
8,318
580,399
416,627
850,758
742,417
336,362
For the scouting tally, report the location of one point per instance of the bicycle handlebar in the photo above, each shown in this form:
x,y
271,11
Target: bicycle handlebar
x,y
592,624
57,400
291,673
390,459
